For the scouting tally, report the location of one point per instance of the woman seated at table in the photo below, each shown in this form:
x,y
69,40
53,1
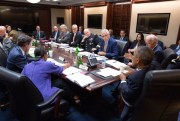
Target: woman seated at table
x,y
39,72
138,42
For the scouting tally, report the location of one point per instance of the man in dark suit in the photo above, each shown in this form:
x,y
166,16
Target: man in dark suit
x,y
65,35
152,42
131,86
108,47
38,34
123,36
176,48
17,57
76,36
90,41
55,34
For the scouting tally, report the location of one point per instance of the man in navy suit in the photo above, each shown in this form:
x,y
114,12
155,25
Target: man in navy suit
x,y
152,42
108,47
123,36
38,34
76,36
55,34
17,57
131,86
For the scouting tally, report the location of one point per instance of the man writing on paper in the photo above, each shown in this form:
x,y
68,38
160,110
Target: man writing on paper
x,y
108,47
131,87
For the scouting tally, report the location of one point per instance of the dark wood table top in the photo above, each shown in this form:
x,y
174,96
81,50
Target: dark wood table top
x,y
99,82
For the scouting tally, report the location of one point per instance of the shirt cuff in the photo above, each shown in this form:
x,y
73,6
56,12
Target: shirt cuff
x,y
123,81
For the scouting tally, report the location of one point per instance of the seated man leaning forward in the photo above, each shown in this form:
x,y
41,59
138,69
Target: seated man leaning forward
x,y
39,72
108,47
131,87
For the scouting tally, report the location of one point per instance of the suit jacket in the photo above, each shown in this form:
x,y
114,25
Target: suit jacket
x,y
36,35
91,42
158,54
77,39
16,60
124,38
39,73
65,38
132,88
53,35
112,48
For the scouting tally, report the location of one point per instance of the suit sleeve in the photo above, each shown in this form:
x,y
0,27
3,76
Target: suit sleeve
x,y
20,61
114,52
78,40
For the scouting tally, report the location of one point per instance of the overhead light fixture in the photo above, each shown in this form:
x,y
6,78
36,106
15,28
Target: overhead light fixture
x,y
33,1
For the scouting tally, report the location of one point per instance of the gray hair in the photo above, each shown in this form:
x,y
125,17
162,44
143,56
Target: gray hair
x,y
74,26
104,31
87,30
63,26
152,38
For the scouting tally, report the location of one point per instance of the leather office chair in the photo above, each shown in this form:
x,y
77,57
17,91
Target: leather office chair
x,y
160,97
26,102
121,47
169,54
3,58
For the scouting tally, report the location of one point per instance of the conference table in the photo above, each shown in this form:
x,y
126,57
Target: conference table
x,y
99,82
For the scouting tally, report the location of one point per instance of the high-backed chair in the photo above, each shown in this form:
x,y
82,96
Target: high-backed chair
x,y
160,97
3,58
121,46
169,54
26,101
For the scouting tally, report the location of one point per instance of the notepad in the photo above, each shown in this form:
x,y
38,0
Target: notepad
x,y
71,70
108,72
116,64
80,79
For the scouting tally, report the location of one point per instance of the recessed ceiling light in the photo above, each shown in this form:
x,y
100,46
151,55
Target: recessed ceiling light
x,y
33,1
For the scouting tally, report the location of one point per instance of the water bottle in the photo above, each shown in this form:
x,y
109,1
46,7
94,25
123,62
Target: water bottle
x,y
103,64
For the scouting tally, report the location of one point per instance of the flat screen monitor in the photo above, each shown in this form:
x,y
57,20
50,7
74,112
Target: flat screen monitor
x,y
22,19
153,22
95,21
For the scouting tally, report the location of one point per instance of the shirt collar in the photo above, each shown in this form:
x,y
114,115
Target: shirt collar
x,y
22,51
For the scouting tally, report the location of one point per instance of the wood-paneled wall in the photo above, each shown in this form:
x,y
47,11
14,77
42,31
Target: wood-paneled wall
x,y
118,17
77,16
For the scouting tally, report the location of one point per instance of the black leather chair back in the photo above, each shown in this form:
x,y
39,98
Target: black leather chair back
x,y
160,97
169,54
121,45
24,96
3,58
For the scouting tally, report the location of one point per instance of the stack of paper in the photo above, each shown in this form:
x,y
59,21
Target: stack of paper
x,y
71,70
80,79
31,52
85,53
100,58
116,64
55,62
108,72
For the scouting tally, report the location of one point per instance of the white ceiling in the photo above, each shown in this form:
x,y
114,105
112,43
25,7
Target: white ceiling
x,y
65,2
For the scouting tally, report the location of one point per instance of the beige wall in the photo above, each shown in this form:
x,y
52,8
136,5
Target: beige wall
x,y
172,7
95,10
66,13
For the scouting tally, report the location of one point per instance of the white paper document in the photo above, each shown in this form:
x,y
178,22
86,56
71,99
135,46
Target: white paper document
x,y
116,64
71,70
108,72
55,62
85,53
31,52
80,79
100,58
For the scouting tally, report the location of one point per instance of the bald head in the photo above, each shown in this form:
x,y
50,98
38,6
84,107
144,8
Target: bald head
x,y
2,31
151,41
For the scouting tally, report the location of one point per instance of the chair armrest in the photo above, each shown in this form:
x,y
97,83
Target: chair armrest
x,y
50,100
